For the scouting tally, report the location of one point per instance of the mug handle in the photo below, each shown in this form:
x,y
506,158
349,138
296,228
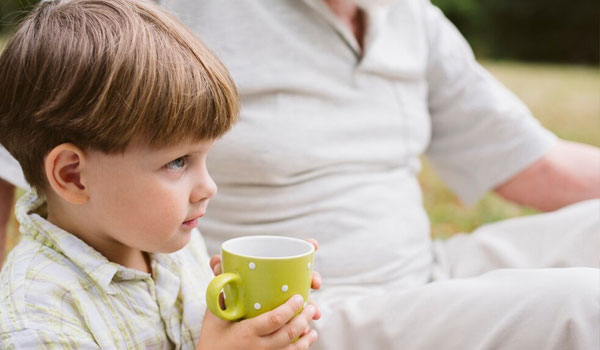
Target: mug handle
x,y
234,306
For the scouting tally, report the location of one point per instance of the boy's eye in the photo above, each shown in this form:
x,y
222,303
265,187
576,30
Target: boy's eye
x,y
176,164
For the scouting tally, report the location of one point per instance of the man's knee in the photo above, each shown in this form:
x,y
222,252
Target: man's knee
x,y
575,297
565,305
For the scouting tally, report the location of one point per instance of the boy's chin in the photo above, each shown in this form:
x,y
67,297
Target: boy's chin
x,y
176,245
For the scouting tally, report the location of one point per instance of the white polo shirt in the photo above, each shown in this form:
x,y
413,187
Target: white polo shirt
x,y
10,170
329,139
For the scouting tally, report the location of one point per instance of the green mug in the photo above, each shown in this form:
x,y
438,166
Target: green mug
x,y
259,274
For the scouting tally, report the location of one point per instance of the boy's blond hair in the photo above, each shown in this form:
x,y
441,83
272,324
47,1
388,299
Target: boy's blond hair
x,y
104,73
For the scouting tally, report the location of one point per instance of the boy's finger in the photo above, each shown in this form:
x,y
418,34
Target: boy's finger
x,y
215,264
271,321
316,280
294,329
317,314
304,342
314,243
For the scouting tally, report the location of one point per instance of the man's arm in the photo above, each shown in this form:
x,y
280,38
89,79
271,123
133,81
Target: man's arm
x,y
7,193
568,173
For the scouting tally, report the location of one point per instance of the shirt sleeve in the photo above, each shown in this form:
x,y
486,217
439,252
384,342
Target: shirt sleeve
x,y
10,170
43,339
482,134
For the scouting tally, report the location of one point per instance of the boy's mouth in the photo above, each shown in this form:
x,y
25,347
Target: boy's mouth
x,y
193,223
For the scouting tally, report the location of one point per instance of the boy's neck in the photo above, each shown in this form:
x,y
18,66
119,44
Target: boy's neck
x,y
78,224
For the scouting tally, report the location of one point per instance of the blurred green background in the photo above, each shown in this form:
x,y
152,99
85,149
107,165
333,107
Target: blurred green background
x,y
547,52
529,30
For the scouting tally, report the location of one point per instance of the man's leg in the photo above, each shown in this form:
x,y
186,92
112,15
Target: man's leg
x,y
569,237
503,309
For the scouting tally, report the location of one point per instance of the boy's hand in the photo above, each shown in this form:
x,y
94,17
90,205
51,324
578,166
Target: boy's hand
x,y
273,330
215,265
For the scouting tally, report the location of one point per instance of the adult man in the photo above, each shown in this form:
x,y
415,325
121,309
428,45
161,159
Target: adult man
x,y
338,103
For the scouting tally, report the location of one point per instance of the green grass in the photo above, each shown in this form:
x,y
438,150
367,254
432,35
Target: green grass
x,y
565,99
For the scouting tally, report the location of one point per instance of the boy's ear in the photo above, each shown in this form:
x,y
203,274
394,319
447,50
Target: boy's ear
x,y
63,167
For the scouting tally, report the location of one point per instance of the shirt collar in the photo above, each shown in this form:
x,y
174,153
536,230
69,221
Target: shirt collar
x,y
375,17
87,259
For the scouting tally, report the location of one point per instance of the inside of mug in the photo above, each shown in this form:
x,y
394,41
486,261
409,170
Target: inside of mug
x,y
268,246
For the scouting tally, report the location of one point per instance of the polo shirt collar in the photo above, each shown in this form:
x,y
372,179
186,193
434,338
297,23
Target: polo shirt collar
x,y
375,17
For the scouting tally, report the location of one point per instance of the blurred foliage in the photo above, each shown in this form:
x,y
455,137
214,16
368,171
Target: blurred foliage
x,y
11,11
529,30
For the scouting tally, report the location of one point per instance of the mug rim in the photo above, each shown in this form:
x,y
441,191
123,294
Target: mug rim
x,y
311,248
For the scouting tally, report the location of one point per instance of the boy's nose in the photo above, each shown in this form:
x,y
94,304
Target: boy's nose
x,y
205,188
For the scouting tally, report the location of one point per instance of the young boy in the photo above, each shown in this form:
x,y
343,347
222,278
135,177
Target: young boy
x,y
110,107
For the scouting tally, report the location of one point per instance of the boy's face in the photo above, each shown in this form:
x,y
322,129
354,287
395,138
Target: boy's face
x,y
146,199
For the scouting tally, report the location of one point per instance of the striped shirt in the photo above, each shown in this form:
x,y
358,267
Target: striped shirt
x,y
56,292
